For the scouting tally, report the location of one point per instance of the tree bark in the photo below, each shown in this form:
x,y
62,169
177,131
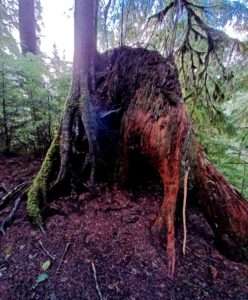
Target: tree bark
x,y
80,100
27,26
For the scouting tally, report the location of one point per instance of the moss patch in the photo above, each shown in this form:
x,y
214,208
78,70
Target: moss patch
x,y
37,193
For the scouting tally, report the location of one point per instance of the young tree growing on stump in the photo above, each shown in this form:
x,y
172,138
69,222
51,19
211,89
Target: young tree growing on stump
x,y
78,110
141,88
27,26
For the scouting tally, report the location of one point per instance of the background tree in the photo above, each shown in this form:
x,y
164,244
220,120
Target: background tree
x,y
32,89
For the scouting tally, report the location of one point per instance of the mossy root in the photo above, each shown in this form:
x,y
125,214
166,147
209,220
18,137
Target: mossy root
x,y
41,184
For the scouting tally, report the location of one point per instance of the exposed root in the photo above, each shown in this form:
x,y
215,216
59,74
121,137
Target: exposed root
x,y
185,191
42,183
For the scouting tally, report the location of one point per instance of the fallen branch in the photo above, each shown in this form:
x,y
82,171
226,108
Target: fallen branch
x,y
5,200
96,281
46,251
63,257
9,219
186,177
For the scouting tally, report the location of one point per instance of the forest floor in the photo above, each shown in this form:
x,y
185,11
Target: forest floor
x,y
108,232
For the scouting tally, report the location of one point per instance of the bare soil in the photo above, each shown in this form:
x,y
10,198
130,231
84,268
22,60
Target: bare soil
x,y
110,230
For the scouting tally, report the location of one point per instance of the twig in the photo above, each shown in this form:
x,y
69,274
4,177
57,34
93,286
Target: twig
x,y
7,221
46,251
161,14
42,229
186,176
63,256
96,281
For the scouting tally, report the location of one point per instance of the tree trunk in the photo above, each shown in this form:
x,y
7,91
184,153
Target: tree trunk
x,y
57,166
138,107
27,26
83,83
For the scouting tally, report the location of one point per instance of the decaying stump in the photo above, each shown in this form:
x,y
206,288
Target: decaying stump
x,y
138,107
156,125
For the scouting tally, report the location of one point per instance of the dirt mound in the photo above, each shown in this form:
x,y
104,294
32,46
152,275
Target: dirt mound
x,y
108,230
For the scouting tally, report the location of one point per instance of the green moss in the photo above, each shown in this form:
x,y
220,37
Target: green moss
x,y
37,193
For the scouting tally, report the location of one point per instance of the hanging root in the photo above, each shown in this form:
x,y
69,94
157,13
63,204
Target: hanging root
x,y
185,190
41,185
89,120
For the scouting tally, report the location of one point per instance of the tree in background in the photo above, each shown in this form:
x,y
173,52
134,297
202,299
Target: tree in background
x,y
32,88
